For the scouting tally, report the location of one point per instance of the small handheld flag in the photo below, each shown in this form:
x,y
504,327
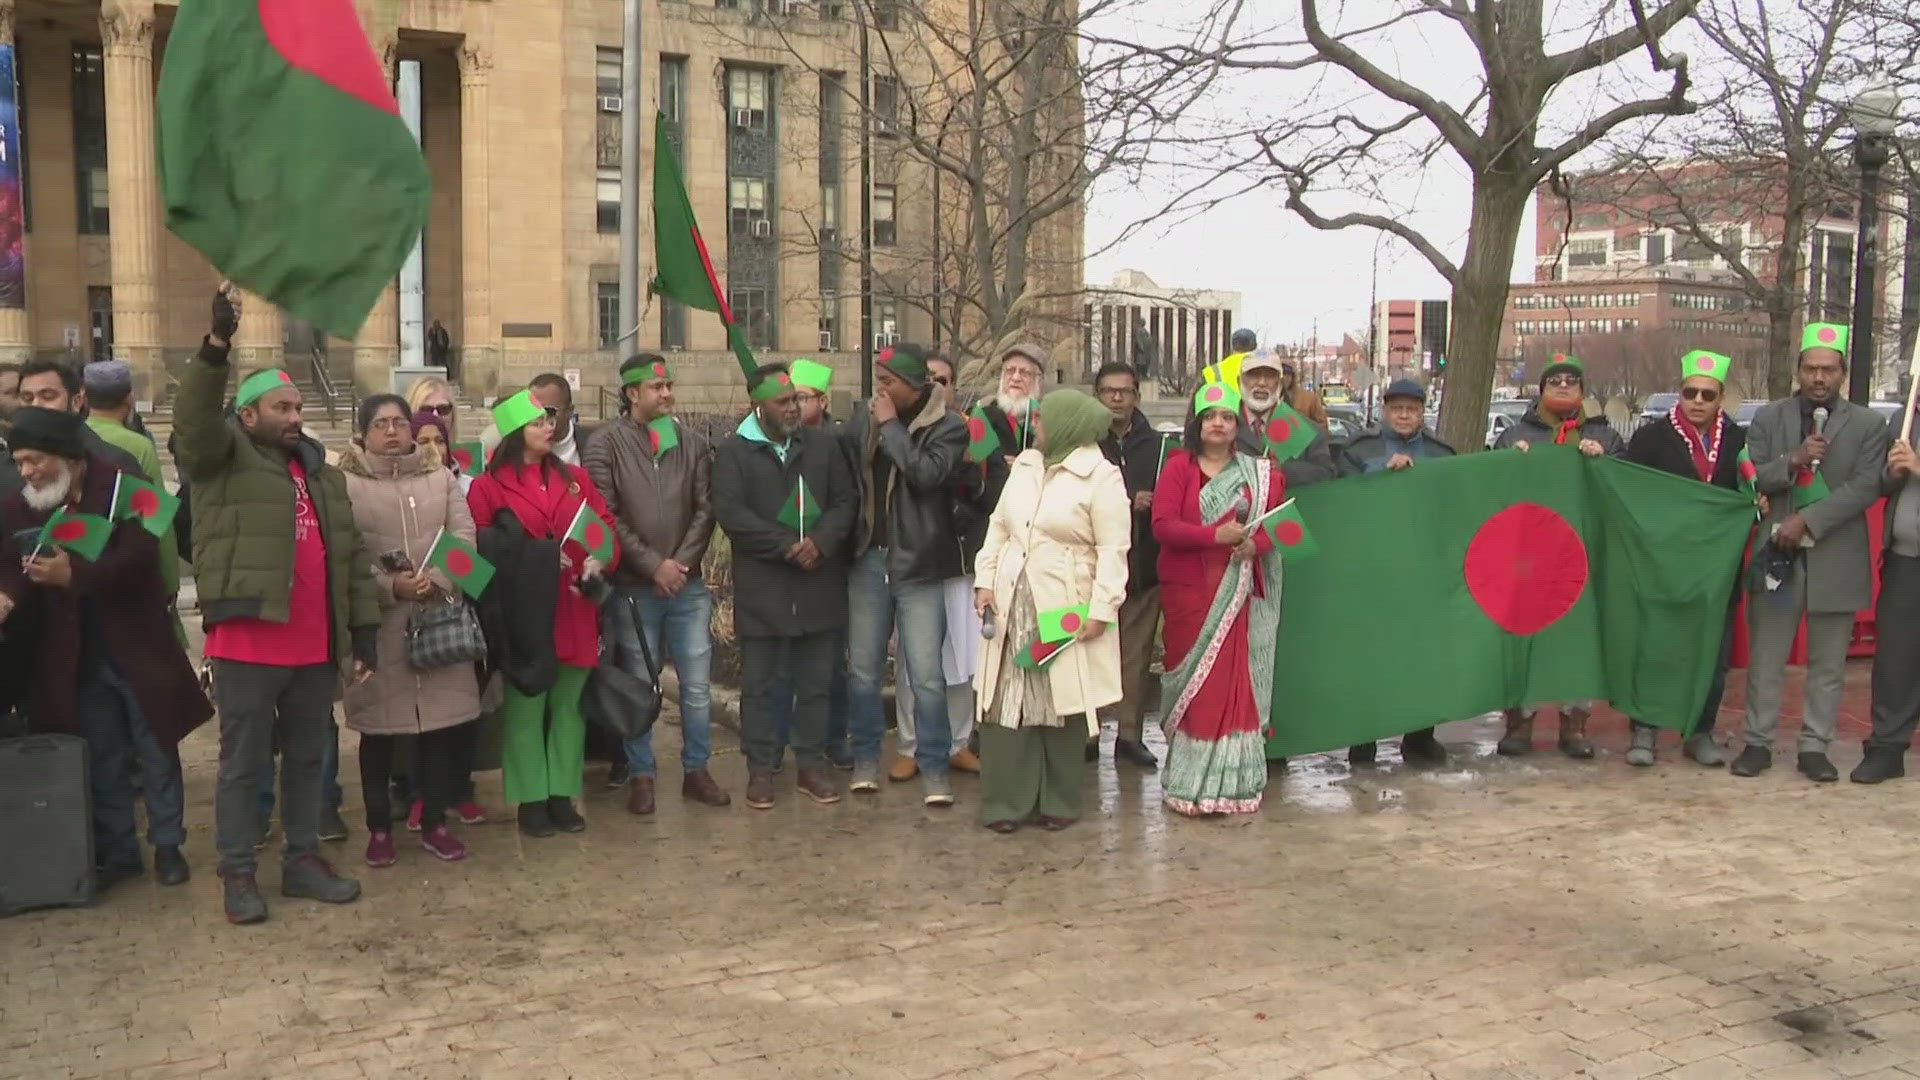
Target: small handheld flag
x,y
149,504
83,534
664,434
1061,624
461,563
592,533
982,440
469,456
1289,532
1287,434
1040,654
1809,487
1749,476
800,511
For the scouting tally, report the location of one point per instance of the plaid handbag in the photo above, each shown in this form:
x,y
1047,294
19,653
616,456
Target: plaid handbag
x,y
444,632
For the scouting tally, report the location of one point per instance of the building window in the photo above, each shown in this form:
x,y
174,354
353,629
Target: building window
x,y
673,97
749,96
829,326
746,205
886,105
606,301
832,102
829,215
606,89
886,14
606,191
1586,253
606,73
751,311
90,138
886,321
883,221
673,324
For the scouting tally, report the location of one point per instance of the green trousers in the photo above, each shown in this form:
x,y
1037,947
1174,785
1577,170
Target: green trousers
x,y
546,740
1032,770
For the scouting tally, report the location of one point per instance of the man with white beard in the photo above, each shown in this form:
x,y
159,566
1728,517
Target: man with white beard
x,y
1260,378
1009,412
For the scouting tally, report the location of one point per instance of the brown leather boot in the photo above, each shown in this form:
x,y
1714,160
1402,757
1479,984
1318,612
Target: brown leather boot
x,y
1573,734
701,787
815,784
1519,736
640,795
760,791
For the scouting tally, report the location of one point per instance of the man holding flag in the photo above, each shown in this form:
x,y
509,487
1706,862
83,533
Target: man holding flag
x,y
784,495
108,666
1009,412
1139,451
1269,427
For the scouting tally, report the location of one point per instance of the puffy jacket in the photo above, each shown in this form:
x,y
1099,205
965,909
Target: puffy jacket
x,y
773,597
1534,430
1370,453
243,518
923,544
661,509
1139,453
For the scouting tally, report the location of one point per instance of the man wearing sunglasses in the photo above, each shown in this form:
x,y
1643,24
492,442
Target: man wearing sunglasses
x,y
1696,440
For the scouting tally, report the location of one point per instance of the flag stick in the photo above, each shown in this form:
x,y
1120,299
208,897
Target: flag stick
x,y
113,503
431,548
1913,385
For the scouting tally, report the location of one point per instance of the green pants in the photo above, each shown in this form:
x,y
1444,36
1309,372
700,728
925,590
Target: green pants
x,y
1033,770
546,740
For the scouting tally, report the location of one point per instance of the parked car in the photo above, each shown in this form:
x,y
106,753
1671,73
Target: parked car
x,y
1498,422
1658,405
1887,410
1747,410
1511,408
1353,415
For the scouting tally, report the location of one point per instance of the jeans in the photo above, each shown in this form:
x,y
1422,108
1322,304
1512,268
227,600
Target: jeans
x,y
261,704
874,607
836,703
790,671
683,623
331,796
117,735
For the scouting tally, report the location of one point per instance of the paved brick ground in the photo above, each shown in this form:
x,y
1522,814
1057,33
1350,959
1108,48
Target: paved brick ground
x,y
1539,918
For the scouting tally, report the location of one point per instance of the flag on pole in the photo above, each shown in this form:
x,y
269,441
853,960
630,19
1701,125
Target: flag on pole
x,y
1061,624
682,267
83,534
800,511
1289,532
469,456
592,533
149,504
283,157
1749,476
1809,487
1040,654
461,562
982,440
1287,434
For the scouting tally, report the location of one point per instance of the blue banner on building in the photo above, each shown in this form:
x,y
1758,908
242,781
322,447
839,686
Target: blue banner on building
x,y
13,224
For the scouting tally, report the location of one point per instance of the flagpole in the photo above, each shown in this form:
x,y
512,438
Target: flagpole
x,y
866,208
629,340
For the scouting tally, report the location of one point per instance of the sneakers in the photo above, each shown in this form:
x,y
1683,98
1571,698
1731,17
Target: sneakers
x,y
1752,761
169,866
534,820
936,790
1640,751
310,878
380,848
904,769
700,786
332,826
241,894
866,777
760,791
442,844
414,814
564,817
1703,749
470,812
1815,766
817,785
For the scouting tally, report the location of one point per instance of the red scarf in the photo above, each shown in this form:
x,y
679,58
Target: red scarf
x,y
1567,428
1705,457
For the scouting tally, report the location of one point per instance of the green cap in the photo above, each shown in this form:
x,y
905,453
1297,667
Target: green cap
x,y
770,386
256,385
640,373
813,375
1824,335
516,412
1216,396
1702,362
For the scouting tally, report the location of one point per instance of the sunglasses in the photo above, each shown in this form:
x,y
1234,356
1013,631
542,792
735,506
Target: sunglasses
x,y
438,410
1699,393
1564,380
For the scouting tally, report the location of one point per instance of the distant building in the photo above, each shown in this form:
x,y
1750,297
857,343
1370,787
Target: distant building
x,y
1409,336
1173,331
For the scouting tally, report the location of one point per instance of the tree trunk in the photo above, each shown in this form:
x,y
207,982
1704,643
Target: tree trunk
x,y
1777,375
1479,304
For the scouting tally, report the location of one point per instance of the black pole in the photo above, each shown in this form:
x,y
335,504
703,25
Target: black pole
x,y
1870,152
866,210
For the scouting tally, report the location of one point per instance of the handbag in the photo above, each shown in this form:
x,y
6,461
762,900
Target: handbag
x,y
441,634
617,699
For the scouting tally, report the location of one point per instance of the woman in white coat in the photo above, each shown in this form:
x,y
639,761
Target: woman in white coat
x,y
1053,572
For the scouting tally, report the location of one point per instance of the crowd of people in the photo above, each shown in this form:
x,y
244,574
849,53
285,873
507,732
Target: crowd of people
x,y
1017,558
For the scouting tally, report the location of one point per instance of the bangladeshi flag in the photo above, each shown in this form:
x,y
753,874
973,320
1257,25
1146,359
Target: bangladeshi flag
x,y
1061,624
592,533
683,269
1039,654
469,456
149,504
83,534
461,562
1809,487
801,511
1286,434
1749,475
1291,537
283,157
1492,580
982,440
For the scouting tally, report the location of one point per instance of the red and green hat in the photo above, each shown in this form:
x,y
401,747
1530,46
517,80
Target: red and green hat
x,y
516,412
646,372
767,386
812,374
1824,335
1563,363
1216,396
1703,362
255,386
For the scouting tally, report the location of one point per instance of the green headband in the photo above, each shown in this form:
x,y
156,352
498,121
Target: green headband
x,y
255,386
516,412
813,375
1216,396
641,373
772,387
1824,335
1711,364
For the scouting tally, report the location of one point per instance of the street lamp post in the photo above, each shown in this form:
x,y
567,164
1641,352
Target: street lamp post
x,y
1873,121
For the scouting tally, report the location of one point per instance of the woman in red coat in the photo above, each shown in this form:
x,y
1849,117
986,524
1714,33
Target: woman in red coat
x,y
545,733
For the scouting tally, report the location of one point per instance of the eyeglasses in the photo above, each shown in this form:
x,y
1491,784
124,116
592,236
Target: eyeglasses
x,y
390,423
1564,380
437,410
552,413
941,379
1699,393
1117,391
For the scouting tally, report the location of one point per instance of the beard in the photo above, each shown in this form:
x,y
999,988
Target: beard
x,y
1014,402
1262,400
51,494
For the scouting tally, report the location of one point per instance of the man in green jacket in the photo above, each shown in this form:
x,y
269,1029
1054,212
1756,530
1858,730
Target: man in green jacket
x,y
288,596
109,399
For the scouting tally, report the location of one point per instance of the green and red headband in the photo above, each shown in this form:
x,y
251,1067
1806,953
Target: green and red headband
x,y
771,387
644,373
255,386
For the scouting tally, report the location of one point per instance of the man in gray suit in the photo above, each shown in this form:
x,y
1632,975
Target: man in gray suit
x,y
1896,656
1819,460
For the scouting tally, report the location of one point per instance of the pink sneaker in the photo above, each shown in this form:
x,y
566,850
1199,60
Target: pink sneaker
x,y
413,814
470,812
443,844
380,848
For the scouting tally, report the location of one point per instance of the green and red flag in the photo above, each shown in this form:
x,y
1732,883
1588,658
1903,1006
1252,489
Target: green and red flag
x,y
149,504
83,534
1062,623
1289,531
283,156
982,440
662,435
470,457
461,562
1286,434
683,269
800,512
590,532
1040,654
1514,579
1809,487
1749,476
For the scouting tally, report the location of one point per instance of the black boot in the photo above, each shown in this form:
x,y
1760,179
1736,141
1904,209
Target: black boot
x,y
1815,766
565,818
1752,761
534,820
169,866
1881,763
1134,752
1421,748
1363,755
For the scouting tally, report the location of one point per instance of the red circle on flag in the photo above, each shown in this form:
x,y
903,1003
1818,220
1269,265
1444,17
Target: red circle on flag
x,y
70,530
1526,567
1070,622
596,535
1288,533
1827,335
1279,430
464,459
144,502
1804,478
459,563
886,354
976,428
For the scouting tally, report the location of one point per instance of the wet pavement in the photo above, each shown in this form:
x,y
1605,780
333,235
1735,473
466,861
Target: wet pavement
x,y
1532,917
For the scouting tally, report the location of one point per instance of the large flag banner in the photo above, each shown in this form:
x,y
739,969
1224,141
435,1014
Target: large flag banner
x,y
683,269
1473,583
283,157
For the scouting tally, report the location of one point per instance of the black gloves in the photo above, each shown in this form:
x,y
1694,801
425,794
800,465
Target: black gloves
x,y
366,646
226,320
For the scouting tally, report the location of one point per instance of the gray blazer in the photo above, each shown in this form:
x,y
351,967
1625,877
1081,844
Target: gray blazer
x,y
1839,570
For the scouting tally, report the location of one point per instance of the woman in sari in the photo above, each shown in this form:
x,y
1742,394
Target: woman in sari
x,y
1052,572
1220,593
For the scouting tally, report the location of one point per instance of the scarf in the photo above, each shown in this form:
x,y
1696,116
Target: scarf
x,y
1069,420
1566,429
1705,457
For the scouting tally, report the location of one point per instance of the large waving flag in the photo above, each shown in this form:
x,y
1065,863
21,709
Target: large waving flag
x,y
283,157
683,269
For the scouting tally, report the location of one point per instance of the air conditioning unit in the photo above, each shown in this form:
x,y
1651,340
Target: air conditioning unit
x,y
743,118
889,328
826,341
883,341
609,102
762,228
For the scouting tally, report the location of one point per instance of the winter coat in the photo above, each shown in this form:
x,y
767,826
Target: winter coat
x,y
976,490
243,518
1190,555
773,597
1067,530
515,609
545,501
1839,568
131,611
1657,445
664,508
1139,454
401,503
1535,430
923,544
1371,452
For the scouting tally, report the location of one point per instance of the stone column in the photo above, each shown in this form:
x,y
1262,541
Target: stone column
x,y
126,35
16,340
479,352
261,340
377,348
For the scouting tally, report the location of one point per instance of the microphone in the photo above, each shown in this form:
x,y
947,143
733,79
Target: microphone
x,y
1819,427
